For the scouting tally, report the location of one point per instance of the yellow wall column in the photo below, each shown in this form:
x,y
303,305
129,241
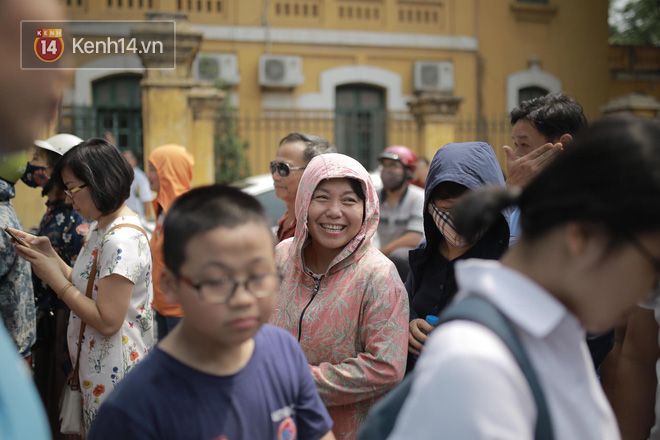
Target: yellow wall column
x,y
204,103
435,114
165,115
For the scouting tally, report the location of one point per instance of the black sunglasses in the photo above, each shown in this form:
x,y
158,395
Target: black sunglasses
x,y
283,169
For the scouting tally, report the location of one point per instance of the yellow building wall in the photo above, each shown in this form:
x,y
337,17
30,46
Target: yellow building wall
x,y
571,45
568,36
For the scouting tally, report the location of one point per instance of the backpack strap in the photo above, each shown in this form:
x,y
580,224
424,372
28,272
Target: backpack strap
x,y
382,417
481,311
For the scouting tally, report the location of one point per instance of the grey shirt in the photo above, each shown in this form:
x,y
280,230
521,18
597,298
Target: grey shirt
x,y
406,216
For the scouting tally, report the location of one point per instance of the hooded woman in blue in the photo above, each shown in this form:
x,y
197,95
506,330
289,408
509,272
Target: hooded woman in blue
x,y
431,285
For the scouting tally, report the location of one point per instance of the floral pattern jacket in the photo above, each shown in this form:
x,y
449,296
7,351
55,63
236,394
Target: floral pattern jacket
x,y
16,293
352,322
105,360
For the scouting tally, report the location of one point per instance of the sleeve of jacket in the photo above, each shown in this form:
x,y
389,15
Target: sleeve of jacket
x,y
383,337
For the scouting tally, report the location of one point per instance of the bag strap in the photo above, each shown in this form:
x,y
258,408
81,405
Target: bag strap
x,y
129,225
75,380
383,415
480,310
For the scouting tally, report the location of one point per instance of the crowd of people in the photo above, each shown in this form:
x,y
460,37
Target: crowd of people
x,y
214,327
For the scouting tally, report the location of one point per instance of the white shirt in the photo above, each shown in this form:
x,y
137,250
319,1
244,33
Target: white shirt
x,y
406,216
468,385
140,192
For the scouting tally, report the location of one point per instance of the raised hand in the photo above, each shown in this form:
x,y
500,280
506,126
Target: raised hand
x,y
521,170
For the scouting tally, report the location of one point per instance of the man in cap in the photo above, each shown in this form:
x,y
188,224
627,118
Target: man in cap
x,y
401,225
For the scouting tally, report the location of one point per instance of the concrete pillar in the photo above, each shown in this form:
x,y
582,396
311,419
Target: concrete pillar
x,y
204,103
435,114
174,108
637,104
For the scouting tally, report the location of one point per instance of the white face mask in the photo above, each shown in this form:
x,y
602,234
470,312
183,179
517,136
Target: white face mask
x,y
443,220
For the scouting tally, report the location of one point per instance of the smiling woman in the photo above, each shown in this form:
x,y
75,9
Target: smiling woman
x,y
340,296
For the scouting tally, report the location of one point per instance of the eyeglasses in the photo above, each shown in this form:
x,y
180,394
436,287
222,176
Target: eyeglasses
x,y
653,296
283,169
71,192
221,290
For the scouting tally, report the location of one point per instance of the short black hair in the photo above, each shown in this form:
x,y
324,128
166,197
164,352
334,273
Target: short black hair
x,y
315,144
552,115
102,167
203,209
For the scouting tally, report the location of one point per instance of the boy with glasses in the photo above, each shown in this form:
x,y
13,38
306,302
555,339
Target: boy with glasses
x,y
221,373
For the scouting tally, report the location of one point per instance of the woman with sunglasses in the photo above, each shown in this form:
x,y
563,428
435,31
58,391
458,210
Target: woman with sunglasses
x,y
340,296
293,154
588,254
431,284
115,305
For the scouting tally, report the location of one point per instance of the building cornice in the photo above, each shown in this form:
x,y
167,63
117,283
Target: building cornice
x,y
319,37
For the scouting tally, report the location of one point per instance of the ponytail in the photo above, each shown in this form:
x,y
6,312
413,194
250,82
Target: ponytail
x,y
478,209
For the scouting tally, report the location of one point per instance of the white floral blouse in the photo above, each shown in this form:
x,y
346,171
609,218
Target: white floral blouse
x,y
104,361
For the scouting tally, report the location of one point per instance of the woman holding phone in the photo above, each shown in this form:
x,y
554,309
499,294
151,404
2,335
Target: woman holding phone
x,y
108,289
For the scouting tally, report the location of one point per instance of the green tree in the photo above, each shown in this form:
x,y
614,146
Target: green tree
x,y
639,23
231,163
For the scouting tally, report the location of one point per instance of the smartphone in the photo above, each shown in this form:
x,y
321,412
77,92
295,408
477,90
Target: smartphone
x,y
16,238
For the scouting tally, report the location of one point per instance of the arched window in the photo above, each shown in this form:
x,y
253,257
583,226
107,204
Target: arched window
x,y
117,101
360,122
530,83
527,93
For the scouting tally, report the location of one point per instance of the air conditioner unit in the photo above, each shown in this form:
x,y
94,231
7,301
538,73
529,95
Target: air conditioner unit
x,y
280,71
217,67
434,76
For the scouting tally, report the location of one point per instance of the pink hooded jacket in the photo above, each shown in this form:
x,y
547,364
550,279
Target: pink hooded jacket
x,y
352,324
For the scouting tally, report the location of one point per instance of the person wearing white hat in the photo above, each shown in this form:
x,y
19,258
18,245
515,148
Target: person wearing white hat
x,y
66,230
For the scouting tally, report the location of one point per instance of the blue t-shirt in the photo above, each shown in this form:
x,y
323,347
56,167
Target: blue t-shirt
x,y
272,397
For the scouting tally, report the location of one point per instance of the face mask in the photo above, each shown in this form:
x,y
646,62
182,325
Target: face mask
x,y
35,176
392,181
445,224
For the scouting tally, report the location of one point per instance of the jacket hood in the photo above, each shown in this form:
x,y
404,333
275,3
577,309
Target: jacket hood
x,y
174,167
335,166
471,164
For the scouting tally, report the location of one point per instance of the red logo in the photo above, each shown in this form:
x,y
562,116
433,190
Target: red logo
x,y
49,45
287,430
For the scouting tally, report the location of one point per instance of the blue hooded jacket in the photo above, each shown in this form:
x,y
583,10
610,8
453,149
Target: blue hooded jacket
x,y
431,284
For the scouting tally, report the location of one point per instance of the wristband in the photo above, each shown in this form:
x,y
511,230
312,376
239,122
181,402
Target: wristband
x,y
64,289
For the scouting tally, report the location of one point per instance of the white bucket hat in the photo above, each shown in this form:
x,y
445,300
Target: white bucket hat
x,y
60,143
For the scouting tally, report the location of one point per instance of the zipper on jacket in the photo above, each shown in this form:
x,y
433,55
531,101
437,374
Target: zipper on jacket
x,y
302,314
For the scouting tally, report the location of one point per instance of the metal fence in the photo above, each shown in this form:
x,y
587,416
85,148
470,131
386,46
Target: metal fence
x,y
494,130
360,135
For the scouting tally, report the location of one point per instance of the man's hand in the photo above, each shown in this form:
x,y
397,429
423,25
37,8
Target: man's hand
x,y
521,170
419,329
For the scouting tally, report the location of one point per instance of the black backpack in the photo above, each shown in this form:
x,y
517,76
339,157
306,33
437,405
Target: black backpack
x,y
381,418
